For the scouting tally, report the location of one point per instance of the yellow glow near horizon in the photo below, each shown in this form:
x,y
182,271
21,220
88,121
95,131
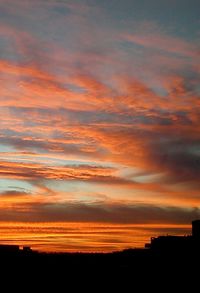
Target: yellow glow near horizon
x,y
85,237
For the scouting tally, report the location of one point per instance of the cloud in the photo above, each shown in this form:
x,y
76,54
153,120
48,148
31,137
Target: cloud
x,y
34,171
179,156
100,213
165,43
112,95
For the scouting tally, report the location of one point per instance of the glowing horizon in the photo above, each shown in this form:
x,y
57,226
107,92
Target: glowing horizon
x,y
84,237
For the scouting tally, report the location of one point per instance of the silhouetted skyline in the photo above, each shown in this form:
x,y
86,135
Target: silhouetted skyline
x,y
165,243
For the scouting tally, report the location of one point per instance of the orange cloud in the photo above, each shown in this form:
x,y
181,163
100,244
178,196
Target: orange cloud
x,y
38,171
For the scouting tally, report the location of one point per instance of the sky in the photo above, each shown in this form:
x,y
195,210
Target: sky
x,y
99,122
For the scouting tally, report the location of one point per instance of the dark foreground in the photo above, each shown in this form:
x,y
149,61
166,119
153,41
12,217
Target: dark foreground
x,y
134,267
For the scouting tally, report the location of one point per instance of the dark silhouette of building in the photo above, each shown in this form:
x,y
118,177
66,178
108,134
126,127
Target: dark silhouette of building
x,y
4,248
27,249
196,229
177,243
14,249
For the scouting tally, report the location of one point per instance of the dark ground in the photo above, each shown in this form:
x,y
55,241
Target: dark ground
x,y
127,270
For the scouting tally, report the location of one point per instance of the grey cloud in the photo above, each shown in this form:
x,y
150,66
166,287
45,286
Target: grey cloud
x,y
106,213
178,156
12,193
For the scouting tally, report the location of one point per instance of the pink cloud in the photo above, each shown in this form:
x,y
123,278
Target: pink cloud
x,y
164,42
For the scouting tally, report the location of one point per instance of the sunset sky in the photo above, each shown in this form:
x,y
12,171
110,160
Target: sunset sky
x,y
99,122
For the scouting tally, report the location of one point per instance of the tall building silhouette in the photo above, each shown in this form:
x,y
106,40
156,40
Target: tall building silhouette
x,y
196,229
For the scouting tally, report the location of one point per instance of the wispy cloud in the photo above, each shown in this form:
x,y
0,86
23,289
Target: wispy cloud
x,y
44,211
166,43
